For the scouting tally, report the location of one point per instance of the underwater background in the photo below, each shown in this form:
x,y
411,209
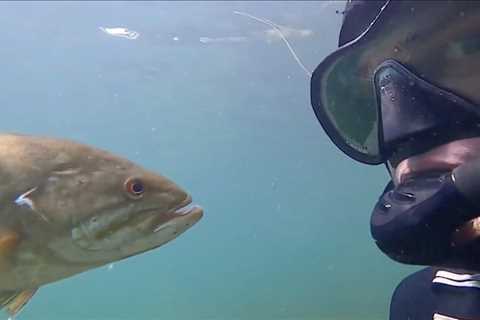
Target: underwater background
x,y
286,228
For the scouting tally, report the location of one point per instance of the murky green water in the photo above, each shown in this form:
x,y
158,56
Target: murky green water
x,y
286,227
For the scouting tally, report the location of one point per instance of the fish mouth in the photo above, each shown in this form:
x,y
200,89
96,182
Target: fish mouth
x,y
185,207
182,217
189,208
443,158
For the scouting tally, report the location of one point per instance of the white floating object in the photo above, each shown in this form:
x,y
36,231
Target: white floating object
x,y
231,39
121,32
23,200
279,32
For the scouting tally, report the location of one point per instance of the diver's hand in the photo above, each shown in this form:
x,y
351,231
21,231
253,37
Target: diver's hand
x,y
442,158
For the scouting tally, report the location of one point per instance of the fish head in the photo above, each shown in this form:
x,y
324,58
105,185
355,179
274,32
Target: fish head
x,y
133,212
99,207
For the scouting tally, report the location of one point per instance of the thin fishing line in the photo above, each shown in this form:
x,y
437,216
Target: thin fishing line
x,y
278,29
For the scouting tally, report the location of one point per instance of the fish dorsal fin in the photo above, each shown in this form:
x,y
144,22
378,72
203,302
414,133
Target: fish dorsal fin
x,y
13,302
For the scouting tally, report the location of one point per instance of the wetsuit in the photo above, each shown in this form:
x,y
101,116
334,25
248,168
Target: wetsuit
x,y
439,294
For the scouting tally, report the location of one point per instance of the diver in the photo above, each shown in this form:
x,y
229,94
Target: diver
x,y
403,90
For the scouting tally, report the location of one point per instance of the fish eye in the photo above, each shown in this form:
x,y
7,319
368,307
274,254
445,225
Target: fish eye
x,y
135,187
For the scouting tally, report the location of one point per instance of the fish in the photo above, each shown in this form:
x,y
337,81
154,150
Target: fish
x,y
67,207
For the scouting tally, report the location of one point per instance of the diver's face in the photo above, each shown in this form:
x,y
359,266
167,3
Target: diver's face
x,y
442,158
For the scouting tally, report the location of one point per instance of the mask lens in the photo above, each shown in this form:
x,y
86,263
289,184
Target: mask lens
x,y
344,102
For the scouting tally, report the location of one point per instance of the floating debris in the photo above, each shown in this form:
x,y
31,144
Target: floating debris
x,y
277,34
23,199
231,39
121,32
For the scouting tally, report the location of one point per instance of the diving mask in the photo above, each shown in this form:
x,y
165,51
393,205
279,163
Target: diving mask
x,y
429,51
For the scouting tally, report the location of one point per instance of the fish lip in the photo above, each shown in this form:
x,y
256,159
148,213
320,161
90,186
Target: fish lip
x,y
186,202
186,211
185,207
188,219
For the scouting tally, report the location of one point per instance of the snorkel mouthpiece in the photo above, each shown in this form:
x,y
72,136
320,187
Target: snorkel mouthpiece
x,y
415,222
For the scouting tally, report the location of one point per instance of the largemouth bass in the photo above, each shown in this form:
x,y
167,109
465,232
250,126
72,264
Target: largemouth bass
x,y
66,208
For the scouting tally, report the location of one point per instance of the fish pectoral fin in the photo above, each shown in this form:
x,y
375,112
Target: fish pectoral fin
x,y
8,242
14,301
